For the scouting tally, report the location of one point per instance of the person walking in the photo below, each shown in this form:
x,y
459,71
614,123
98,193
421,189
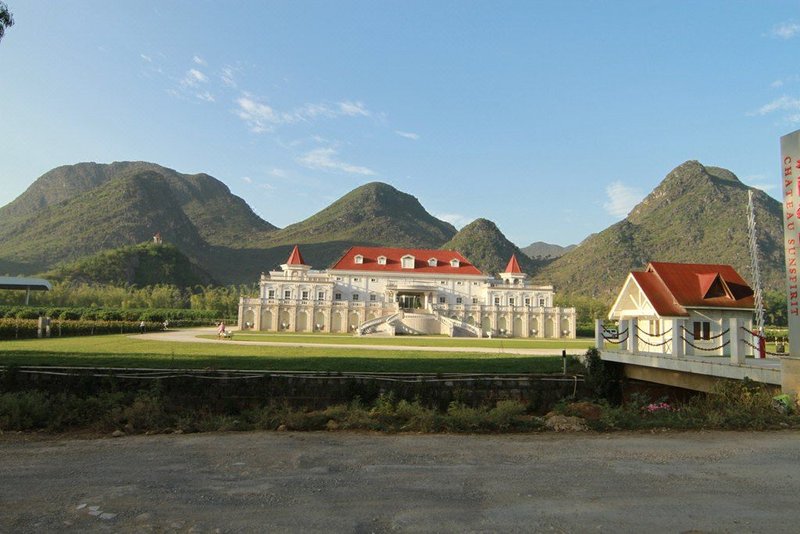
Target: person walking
x,y
141,327
221,329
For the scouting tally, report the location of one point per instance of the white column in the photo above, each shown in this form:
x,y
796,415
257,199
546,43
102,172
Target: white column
x,y
632,345
677,342
736,341
598,334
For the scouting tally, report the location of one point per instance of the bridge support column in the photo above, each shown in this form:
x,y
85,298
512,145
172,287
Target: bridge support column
x,y
598,333
632,335
736,341
790,376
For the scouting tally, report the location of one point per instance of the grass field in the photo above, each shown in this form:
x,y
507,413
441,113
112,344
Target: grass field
x,y
416,341
126,351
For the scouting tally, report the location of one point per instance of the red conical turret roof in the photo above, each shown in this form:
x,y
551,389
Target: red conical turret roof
x,y
513,265
295,258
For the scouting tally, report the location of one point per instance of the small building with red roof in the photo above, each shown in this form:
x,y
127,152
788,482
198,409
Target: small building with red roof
x,y
394,290
695,308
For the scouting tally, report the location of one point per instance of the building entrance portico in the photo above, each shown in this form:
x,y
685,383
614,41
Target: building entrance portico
x,y
410,301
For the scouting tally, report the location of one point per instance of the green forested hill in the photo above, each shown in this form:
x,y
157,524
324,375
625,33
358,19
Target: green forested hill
x,y
697,214
79,210
373,214
218,216
487,248
143,265
119,212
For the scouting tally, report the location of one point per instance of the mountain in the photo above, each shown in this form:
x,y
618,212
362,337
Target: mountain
x,y
218,216
122,211
487,248
144,264
75,211
373,214
544,251
696,214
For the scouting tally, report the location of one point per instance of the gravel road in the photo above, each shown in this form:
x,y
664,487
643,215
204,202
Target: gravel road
x,y
352,482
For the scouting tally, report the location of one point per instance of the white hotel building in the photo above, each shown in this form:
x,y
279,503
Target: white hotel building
x,y
389,291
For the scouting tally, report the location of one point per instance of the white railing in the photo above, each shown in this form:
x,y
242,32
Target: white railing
x,y
388,319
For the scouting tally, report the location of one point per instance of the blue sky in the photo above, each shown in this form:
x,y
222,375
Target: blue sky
x,y
550,118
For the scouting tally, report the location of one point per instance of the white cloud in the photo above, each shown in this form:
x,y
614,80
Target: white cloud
x,y
260,117
228,77
407,135
146,58
786,30
352,109
263,118
199,61
193,77
760,181
247,179
205,95
456,219
278,173
784,103
324,159
777,84
621,199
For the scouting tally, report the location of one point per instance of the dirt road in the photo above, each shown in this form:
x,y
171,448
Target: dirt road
x,y
346,482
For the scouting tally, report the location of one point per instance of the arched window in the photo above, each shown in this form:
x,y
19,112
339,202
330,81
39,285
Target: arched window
x,y
432,262
407,262
359,259
381,260
454,263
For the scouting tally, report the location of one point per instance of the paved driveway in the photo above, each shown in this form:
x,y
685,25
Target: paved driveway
x,y
191,336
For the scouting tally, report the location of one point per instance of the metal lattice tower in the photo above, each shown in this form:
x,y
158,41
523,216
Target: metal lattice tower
x,y
753,240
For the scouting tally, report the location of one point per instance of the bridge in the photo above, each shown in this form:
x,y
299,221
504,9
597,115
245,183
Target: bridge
x,y
671,358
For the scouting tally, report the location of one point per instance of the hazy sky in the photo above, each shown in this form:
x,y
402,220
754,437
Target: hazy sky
x,y
550,118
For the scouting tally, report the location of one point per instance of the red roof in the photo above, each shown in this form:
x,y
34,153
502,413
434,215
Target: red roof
x,y
422,256
673,287
295,258
513,265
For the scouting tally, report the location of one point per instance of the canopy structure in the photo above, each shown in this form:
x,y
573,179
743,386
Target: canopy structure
x,y
27,284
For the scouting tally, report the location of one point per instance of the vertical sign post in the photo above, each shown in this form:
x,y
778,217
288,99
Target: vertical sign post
x,y
790,185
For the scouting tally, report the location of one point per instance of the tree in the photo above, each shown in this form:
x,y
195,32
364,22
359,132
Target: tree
x,y
6,19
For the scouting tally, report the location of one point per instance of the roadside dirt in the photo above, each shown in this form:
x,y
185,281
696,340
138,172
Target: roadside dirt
x,y
349,482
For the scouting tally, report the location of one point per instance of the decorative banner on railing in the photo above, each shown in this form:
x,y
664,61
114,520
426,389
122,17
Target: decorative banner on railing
x,y
790,185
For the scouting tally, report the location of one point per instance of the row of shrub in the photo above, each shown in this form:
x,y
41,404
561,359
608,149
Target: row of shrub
x,y
158,315
733,407
146,411
29,328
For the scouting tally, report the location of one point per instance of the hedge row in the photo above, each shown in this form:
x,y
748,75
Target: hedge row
x,y
198,317
28,328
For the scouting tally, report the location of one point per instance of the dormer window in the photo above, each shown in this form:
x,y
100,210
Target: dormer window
x,y
381,260
432,262
407,262
454,263
359,259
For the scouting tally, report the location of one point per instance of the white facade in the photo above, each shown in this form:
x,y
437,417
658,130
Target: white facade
x,y
417,296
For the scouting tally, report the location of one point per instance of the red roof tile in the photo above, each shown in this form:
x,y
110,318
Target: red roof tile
x,y
295,258
513,265
673,287
393,255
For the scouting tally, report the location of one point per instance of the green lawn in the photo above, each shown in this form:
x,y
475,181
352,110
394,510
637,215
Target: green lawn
x,y
125,351
417,341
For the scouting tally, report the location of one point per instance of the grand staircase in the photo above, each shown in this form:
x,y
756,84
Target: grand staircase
x,y
417,323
